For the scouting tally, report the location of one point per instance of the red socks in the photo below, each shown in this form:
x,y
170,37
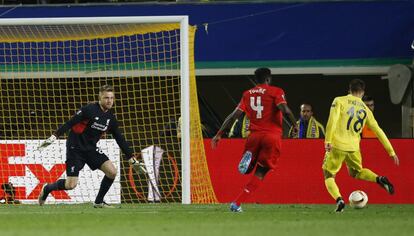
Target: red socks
x,y
250,187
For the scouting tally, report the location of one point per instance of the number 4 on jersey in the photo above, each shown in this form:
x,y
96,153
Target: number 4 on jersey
x,y
256,105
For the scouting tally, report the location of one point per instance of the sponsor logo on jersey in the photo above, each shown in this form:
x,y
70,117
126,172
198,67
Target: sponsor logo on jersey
x,y
100,127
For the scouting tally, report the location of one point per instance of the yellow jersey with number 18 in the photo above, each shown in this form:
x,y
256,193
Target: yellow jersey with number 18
x,y
347,117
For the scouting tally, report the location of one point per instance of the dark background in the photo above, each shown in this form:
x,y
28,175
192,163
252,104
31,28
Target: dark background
x,y
273,31
219,95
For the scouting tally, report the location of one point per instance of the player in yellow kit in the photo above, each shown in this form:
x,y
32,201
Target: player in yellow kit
x,y
347,117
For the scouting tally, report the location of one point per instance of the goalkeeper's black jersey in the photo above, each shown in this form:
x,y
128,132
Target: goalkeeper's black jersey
x,y
88,125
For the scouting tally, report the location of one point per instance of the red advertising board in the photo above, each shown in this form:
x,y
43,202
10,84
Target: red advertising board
x,y
28,170
8,170
299,179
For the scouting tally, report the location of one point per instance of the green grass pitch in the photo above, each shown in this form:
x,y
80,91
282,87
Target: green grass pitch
x,y
177,219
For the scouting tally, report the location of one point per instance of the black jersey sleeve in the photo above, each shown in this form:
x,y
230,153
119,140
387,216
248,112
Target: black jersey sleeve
x,y
78,117
120,139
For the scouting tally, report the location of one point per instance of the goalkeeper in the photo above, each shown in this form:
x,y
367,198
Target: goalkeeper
x,y
86,127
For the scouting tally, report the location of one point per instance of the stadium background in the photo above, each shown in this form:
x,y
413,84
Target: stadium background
x,y
235,38
297,36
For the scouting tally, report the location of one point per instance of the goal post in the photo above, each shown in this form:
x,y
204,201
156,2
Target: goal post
x,y
185,112
50,67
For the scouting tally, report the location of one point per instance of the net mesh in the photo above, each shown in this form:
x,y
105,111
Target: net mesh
x,y
48,72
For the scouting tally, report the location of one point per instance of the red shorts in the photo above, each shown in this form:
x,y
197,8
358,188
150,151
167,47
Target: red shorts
x,y
265,148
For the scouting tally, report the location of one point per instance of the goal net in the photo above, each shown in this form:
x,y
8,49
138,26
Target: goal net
x,y
49,68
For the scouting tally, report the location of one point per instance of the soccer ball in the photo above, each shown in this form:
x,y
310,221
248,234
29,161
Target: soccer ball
x,y
358,199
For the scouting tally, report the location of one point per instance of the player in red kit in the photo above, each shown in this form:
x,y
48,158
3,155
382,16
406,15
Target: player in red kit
x,y
265,106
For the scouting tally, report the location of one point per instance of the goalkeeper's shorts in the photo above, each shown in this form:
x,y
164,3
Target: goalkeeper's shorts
x,y
76,160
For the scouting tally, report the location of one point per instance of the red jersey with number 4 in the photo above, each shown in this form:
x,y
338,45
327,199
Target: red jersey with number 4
x,y
260,105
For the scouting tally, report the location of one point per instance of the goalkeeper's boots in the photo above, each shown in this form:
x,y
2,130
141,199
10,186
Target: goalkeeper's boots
x,y
102,205
43,195
386,184
340,205
235,208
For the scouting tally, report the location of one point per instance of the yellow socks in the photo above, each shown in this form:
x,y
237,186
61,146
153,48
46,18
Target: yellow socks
x,y
332,188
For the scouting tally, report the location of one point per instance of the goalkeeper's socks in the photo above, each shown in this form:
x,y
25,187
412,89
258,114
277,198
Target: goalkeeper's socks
x,y
58,185
105,186
250,187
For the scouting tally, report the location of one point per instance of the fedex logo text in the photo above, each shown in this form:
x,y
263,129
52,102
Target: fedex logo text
x,y
28,170
8,170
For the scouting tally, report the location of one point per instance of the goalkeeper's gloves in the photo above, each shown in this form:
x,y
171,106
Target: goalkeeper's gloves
x,y
134,162
47,142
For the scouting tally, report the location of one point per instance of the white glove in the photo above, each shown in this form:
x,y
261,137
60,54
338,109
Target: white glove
x,y
133,161
47,142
